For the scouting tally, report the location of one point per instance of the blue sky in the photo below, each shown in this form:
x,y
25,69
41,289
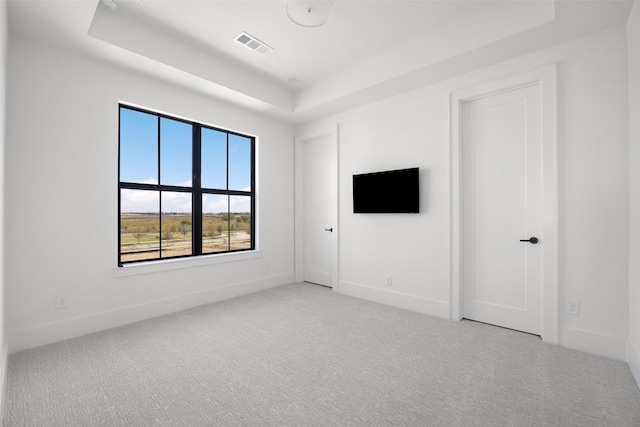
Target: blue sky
x,y
139,164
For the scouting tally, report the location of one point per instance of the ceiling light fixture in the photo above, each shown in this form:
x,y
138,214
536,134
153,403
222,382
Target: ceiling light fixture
x,y
112,5
309,13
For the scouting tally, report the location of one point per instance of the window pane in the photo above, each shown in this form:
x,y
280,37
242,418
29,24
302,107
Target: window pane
x,y
240,222
176,224
138,147
175,152
139,225
215,223
214,159
239,163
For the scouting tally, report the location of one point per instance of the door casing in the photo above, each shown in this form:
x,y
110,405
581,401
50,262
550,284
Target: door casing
x,y
545,77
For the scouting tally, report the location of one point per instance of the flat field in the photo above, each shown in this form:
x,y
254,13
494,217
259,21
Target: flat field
x,y
151,236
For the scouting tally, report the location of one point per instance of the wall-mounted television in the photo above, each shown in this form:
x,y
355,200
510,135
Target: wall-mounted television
x,y
394,191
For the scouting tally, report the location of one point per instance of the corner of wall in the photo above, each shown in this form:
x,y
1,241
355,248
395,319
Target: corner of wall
x,y
4,368
633,61
633,360
4,35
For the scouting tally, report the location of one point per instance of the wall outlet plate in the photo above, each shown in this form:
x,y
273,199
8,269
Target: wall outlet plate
x,y
573,307
61,302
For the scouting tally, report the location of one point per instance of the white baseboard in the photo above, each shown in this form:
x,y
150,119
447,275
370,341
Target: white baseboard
x,y
4,364
48,333
594,343
396,299
633,360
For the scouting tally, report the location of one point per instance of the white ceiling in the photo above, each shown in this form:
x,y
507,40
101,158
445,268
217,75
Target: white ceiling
x,y
357,30
368,50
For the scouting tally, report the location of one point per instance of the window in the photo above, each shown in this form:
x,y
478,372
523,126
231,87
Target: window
x,y
185,189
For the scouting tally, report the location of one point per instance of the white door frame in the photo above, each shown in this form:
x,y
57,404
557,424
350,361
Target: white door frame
x,y
545,77
300,140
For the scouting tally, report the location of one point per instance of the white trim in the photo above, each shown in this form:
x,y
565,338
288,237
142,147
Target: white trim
x,y
423,305
633,360
594,343
187,119
34,336
4,362
545,77
300,139
157,266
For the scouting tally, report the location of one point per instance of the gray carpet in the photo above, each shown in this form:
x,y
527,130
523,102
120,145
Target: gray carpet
x,y
301,355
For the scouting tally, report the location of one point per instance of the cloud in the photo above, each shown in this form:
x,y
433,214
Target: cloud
x,y
147,201
138,201
214,203
176,202
172,201
240,204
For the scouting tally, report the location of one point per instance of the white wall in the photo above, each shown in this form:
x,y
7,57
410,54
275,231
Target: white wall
x,y
61,235
3,325
633,40
413,130
62,153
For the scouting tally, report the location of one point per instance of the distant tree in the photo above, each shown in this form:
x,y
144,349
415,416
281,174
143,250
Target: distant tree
x,y
211,229
168,232
183,227
219,229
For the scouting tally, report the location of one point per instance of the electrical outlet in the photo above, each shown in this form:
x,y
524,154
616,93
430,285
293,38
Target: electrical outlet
x,y
389,280
61,302
573,307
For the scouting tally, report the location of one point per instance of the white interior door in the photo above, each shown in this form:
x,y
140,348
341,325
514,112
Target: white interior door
x,y
318,206
502,197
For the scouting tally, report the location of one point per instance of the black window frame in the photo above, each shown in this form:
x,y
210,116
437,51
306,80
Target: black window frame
x,y
196,189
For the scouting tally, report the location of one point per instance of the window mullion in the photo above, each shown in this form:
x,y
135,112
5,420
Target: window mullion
x,y
159,196
196,227
228,201
252,225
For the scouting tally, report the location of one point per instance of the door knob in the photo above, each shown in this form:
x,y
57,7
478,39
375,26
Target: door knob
x,y
330,230
532,240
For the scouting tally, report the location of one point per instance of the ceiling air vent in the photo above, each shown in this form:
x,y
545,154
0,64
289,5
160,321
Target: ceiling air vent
x,y
253,43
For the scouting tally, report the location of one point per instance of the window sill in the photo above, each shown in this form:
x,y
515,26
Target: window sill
x,y
175,264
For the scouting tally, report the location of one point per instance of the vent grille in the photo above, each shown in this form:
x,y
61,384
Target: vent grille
x,y
250,42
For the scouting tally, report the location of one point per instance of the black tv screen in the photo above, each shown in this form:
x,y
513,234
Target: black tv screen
x,y
396,191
